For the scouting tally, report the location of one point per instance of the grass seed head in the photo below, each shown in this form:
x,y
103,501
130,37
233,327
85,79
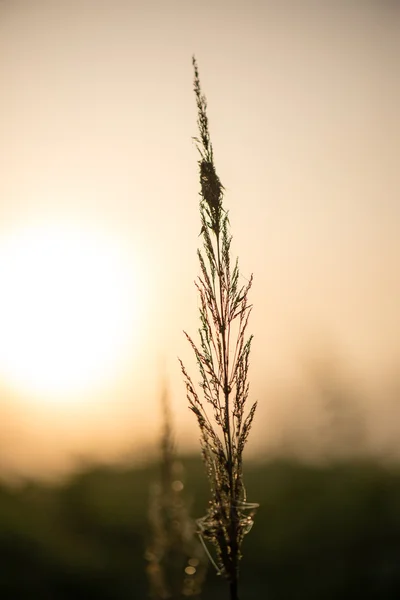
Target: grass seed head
x,y
222,356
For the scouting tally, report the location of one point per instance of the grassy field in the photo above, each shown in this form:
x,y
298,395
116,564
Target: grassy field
x,y
322,532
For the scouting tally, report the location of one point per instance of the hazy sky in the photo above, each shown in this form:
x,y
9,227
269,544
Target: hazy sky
x,y
96,117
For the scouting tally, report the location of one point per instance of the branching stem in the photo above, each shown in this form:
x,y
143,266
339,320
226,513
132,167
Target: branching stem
x,y
229,517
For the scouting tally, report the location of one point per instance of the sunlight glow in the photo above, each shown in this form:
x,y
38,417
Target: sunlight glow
x,y
68,308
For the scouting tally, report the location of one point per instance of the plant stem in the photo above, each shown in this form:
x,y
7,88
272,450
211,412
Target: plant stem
x,y
233,590
233,575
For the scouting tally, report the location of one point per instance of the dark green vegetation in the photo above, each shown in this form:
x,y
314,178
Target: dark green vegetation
x,y
322,532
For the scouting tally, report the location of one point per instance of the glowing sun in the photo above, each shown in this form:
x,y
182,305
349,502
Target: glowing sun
x,y
68,308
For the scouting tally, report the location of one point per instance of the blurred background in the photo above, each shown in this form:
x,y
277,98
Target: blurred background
x,y
98,236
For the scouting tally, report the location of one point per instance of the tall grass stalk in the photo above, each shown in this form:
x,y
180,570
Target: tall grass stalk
x,y
176,562
222,355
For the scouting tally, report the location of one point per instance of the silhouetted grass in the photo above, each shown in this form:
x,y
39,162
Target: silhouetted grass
x,y
222,355
176,560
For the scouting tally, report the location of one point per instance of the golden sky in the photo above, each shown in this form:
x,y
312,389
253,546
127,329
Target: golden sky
x,y
96,117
